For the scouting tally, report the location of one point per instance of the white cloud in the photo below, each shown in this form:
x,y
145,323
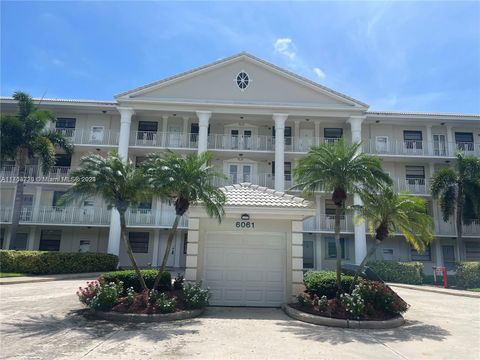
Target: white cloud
x,y
319,73
285,47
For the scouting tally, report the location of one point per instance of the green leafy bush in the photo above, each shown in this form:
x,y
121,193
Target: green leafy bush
x,y
194,296
323,283
100,296
468,274
50,262
353,303
428,279
130,279
378,296
400,272
164,304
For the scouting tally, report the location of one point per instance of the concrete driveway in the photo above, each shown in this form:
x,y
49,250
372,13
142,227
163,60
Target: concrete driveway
x,y
45,321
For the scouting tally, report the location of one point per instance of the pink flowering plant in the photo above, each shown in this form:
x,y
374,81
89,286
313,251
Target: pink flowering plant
x,y
98,295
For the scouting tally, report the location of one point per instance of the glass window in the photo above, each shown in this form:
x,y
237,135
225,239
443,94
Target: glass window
x,y
56,197
414,172
425,256
20,242
332,249
139,241
65,123
2,237
84,246
463,137
472,249
243,80
287,169
387,254
185,243
412,135
50,240
148,126
308,254
63,160
332,133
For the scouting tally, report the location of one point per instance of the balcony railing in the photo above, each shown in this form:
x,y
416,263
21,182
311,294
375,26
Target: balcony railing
x,y
241,142
89,137
450,229
326,223
413,186
302,145
59,215
168,140
34,173
420,148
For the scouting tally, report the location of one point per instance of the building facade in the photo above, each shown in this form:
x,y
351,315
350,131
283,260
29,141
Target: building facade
x,y
258,120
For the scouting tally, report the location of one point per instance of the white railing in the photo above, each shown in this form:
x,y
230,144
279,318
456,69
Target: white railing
x,y
413,186
468,148
303,145
420,148
241,142
89,137
449,228
72,215
326,223
169,140
5,214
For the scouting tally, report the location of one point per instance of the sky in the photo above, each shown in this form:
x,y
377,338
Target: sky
x,y
398,56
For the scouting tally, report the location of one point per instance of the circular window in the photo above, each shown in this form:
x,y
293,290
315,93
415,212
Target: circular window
x,y
243,80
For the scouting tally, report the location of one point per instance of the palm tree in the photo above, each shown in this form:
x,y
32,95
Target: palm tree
x,y
389,213
24,136
185,181
119,183
458,190
342,169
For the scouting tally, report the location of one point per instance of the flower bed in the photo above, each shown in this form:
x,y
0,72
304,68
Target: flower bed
x,y
103,296
370,300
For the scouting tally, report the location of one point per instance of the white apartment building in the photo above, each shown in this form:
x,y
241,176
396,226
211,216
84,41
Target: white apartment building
x,y
258,120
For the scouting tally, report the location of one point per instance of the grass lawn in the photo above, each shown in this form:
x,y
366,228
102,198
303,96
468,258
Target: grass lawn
x,y
474,289
4,274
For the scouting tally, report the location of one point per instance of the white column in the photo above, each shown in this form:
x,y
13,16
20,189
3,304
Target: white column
x,y
296,136
37,201
450,141
360,233
185,136
318,136
280,151
429,140
203,119
124,137
164,130
31,238
114,232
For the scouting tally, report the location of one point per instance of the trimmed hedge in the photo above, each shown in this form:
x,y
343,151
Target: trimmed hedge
x,y
49,262
322,283
399,272
130,279
468,274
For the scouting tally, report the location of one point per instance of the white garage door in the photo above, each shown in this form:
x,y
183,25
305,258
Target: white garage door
x,y
245,269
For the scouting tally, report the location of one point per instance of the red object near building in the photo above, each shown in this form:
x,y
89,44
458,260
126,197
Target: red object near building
x,y
440,270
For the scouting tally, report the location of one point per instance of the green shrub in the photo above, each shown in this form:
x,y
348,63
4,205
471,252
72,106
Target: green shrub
x,y
468,274
428,279
164,304
323,283
378,296
99,295
399,272
130,279
195,297
50,262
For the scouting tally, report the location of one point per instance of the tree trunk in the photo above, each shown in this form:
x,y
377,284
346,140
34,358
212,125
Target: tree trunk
x,y
362,264
123,230
171,235
339,250
17,205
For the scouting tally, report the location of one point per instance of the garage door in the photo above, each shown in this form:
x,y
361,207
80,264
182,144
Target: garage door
x,y
245,270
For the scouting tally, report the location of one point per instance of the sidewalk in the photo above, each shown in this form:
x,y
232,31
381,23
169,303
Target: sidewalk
x,y
438,290
44,278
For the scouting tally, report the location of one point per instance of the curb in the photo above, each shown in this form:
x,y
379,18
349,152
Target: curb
x,y
143,318
46,278
351,324
462,293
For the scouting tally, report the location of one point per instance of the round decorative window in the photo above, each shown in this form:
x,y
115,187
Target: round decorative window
x,y
242,80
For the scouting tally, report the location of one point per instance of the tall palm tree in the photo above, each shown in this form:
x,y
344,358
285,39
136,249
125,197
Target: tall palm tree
x,y
119,183
389,213
185,181
24,136
342,169
458,189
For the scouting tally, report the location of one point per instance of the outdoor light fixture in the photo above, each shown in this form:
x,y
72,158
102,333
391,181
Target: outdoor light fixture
x,y
245,217
442,123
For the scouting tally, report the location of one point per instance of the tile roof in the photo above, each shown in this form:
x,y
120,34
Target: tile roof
x,y
416,114
247,194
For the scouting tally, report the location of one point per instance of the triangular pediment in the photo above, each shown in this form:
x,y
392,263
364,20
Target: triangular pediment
x,y
267,85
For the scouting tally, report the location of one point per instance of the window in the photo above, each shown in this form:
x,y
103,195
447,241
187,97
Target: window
x,y
84,246
287,170
2,237
308,254
381,144
139,241
332,133
185,243
332,249
287,133
20,242
472,250
425,256
65,123
97,134
412,139
139,160
243,80
50,240
387,254
56,197
147,126
415,172
464,141
63,160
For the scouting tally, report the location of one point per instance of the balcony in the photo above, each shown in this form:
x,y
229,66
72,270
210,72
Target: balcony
x,y
326,223
450,229
168,140
90,216
90,137
419,148
244,143
34,173
412,186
